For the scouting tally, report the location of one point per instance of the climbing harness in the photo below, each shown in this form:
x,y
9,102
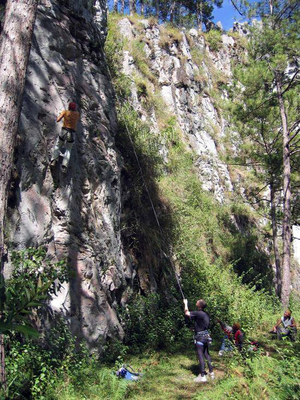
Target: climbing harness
x,y
201,337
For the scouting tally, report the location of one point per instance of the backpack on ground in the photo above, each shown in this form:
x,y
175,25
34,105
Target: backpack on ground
x,y
127,372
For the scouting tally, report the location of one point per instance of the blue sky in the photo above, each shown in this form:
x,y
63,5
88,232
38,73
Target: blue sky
x,y
227,14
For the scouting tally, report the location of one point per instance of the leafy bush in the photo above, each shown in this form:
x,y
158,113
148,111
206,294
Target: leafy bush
x,y
33,279
154,322
34,365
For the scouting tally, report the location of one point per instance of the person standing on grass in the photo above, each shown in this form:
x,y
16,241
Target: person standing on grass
x,y
202,337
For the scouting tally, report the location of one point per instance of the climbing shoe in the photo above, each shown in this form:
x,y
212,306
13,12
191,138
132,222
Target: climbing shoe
x,y
211,375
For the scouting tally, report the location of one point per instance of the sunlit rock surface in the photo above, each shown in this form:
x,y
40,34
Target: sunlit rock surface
x,y
75,215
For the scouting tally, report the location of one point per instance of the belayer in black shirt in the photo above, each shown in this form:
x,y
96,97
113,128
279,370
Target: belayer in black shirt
x,y
202,337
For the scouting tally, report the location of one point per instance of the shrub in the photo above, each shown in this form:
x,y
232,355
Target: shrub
x,y
154,322
214,39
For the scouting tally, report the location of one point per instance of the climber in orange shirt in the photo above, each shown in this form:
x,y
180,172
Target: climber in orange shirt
x,y
66,138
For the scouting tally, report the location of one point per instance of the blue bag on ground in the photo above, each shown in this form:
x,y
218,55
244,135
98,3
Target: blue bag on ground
x,y
129,374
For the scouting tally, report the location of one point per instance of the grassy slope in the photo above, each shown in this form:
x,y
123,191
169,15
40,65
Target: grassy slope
x,y
170,377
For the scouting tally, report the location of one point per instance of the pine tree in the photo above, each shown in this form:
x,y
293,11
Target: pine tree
x,y
269,112
115,5
132,7
122,6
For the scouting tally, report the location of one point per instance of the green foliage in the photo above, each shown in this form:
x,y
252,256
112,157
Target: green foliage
x,y
33,280
141,60
95,382
143,163
114,54
214,39
198,55
32,367
260,377
205,237
153,322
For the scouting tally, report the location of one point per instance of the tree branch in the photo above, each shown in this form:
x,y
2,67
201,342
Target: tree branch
x,y
290,82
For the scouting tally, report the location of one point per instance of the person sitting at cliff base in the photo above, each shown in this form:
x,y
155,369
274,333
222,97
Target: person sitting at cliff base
x,y
226,344
286,327
66,138
238,336
233,335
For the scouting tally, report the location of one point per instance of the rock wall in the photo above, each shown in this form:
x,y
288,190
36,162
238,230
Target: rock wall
x,y
77,214
184,85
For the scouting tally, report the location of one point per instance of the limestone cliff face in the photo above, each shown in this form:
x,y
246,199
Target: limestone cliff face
x,y
187,70
76,215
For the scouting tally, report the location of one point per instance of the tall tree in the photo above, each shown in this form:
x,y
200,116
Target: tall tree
x,y
122,6
271,101
115,6
132,7
15,44
285,21
157,8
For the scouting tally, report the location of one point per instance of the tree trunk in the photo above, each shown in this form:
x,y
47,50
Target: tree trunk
x,y
122,6
201,15
15,44
115,6
132,7
286,224
142,5
157,8
172,11
275,241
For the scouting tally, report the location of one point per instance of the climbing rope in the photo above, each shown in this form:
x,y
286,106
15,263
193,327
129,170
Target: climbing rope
x,y
148,193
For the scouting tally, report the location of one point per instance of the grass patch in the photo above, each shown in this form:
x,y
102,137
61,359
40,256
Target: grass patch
x,y
214,39
169,35
169,376
136,48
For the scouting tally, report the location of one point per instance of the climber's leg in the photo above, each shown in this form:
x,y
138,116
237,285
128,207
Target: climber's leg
x,y
67,155
57,149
